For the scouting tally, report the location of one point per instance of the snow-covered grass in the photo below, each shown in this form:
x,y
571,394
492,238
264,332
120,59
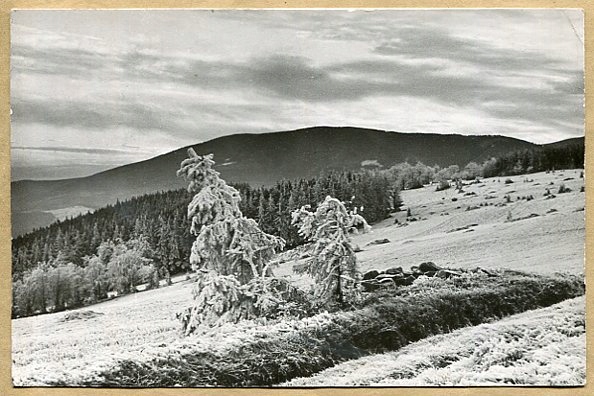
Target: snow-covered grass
x,y
553,241
47,349
259,353
543,347
142,327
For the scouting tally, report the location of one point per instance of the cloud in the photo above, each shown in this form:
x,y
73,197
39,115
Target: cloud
x,y
551,96
84,150
437,43
57,61
179,77
556,97
96,115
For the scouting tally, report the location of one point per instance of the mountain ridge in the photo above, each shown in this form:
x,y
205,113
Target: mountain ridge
x,y
257,159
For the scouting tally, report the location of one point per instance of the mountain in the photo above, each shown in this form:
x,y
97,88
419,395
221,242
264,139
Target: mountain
x,y
577,141
257,159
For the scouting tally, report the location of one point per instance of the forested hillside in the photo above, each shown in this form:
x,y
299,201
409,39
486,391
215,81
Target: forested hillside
x,y
159,221
256,159
566,154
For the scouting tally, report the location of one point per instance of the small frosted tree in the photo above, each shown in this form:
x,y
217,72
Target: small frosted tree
x,y
332,263
231,255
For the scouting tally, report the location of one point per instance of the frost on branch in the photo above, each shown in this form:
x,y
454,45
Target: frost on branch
x,y
332,263
231,255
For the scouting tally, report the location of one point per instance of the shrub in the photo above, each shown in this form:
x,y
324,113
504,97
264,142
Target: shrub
x,y
443,185
80,315
508,181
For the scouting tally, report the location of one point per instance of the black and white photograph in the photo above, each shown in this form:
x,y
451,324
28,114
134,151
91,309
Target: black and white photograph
x,y
297,198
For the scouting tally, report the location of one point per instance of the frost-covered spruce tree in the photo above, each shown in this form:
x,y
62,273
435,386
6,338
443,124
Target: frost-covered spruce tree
x,y
332,262
230,255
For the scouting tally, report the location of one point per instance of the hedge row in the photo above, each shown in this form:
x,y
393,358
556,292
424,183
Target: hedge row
x,y
386,320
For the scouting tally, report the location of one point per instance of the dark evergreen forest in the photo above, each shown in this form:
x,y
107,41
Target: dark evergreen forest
x,y
551,157
161,219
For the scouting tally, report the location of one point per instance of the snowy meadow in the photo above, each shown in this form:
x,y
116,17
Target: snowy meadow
x,y
132,336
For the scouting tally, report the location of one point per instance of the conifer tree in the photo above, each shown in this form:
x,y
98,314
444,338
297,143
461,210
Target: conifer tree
x,y
231,254
332,263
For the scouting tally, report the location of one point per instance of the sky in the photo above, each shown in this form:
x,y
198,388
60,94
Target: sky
x,y
91,90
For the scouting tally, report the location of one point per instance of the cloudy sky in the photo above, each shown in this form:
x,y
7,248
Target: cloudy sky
x,y
96,89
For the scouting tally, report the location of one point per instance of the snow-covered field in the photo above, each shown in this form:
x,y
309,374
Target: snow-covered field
x,y
45,348
552,241
142,326
542,347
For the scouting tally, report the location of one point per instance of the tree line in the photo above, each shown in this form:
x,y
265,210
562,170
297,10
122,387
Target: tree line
x,y
548,158
161,216
406,176
75,248
57,284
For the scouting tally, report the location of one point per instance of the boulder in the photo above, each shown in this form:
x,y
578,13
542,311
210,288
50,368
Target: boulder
x,y
357,249
394,270
405,281
428,266
445,274
479,269
370,274
385,276
415,270
379,242
370,285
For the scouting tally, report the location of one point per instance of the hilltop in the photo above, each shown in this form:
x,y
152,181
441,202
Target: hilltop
x,y
257,159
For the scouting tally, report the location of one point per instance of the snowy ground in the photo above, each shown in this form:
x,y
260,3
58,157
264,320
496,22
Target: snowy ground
x,y
143,325
542,347
45,348
553,241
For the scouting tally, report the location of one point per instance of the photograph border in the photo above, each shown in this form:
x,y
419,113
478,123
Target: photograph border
x,y
6,6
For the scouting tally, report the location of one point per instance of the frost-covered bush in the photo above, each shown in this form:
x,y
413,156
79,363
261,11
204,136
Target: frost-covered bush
x,y
220,299
443,185
231,254
563,189
332,263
